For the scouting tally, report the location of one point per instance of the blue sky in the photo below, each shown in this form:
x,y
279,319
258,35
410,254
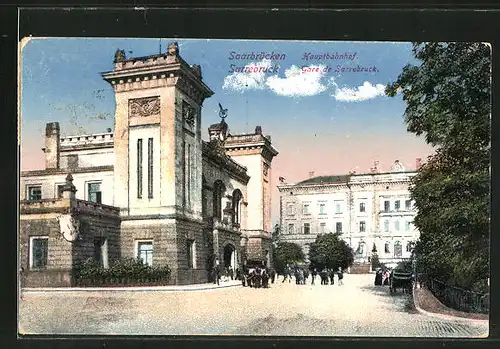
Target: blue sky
x,y
324,122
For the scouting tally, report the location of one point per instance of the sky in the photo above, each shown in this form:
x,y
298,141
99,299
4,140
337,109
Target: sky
x,y
322,102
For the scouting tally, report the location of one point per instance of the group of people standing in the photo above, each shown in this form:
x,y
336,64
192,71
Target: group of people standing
x,y
258,277
302,274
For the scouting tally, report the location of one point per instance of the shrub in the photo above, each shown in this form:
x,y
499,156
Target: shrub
x,y
128,271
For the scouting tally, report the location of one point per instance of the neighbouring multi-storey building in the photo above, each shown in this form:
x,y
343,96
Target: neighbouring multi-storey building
x,y
152,189
373,212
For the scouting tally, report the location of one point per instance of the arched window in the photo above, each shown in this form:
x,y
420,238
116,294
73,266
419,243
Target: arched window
x,y
237,196
219,190
387,247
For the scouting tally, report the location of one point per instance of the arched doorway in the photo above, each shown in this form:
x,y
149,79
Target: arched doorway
x,y
229,257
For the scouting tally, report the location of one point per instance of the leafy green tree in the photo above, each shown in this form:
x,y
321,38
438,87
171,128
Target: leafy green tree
x,y
330,251
448,102
287,253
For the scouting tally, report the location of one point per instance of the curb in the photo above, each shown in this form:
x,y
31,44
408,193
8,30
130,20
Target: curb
x,y
129,289
444,316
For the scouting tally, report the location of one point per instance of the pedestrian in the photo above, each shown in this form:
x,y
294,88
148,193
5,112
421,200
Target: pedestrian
x,y
216,274
273,275
340,274
324,277
313,275
306,275
231,272
332,276
265,278
301,277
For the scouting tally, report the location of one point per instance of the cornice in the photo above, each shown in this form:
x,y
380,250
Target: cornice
x,y
59,171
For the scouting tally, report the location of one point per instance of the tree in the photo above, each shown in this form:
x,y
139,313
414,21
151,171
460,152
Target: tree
x,y
287,253
330,251
448,102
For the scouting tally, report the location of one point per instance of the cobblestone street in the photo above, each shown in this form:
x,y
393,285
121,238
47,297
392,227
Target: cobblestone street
x,y
355,309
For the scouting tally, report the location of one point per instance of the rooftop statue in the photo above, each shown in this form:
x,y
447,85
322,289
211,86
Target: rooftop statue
x,y
119,56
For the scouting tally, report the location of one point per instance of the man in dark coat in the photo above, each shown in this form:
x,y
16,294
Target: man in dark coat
x,y
331,273
216,274
313,275
324,277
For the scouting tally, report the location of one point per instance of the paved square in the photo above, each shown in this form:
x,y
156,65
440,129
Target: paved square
x,y
358,308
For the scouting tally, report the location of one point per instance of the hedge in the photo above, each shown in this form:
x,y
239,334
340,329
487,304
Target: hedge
x,y
124,272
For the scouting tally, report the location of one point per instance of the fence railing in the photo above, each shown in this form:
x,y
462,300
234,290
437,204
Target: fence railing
x,y
459,299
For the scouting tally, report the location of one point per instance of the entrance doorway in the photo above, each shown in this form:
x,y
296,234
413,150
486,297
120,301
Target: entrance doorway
x,y
229,257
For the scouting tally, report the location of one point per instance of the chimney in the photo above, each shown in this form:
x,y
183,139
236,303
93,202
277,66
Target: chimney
x,y
258,130
418,163
52,145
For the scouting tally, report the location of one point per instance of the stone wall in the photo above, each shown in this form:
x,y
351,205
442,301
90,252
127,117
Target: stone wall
x,y
59,259
42,219
169,238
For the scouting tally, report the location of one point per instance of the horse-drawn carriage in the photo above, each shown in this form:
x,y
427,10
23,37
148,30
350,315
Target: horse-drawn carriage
x,y
400,279
256,274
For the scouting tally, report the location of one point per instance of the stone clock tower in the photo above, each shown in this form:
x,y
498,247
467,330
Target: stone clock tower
x,y
158,159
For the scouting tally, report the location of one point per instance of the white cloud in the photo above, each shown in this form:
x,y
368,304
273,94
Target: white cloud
x,y
362,93
254,78
297,83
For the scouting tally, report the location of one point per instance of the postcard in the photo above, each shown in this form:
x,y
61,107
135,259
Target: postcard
x,y
255,188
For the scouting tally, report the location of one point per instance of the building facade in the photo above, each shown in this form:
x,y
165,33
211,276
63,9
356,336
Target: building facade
x,y
178,200
373,212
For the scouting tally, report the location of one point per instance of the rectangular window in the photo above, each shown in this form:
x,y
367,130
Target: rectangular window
x,y
362,207
396,225
190,253
322,208
407,226
387,206
307,228
397,205
150,168
145,252
39,252
322,228
338,227
338,206
94,192
59,191
139,168
290,209
362,226
305,209
408,205
386,226
35,192
290,229
387,248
